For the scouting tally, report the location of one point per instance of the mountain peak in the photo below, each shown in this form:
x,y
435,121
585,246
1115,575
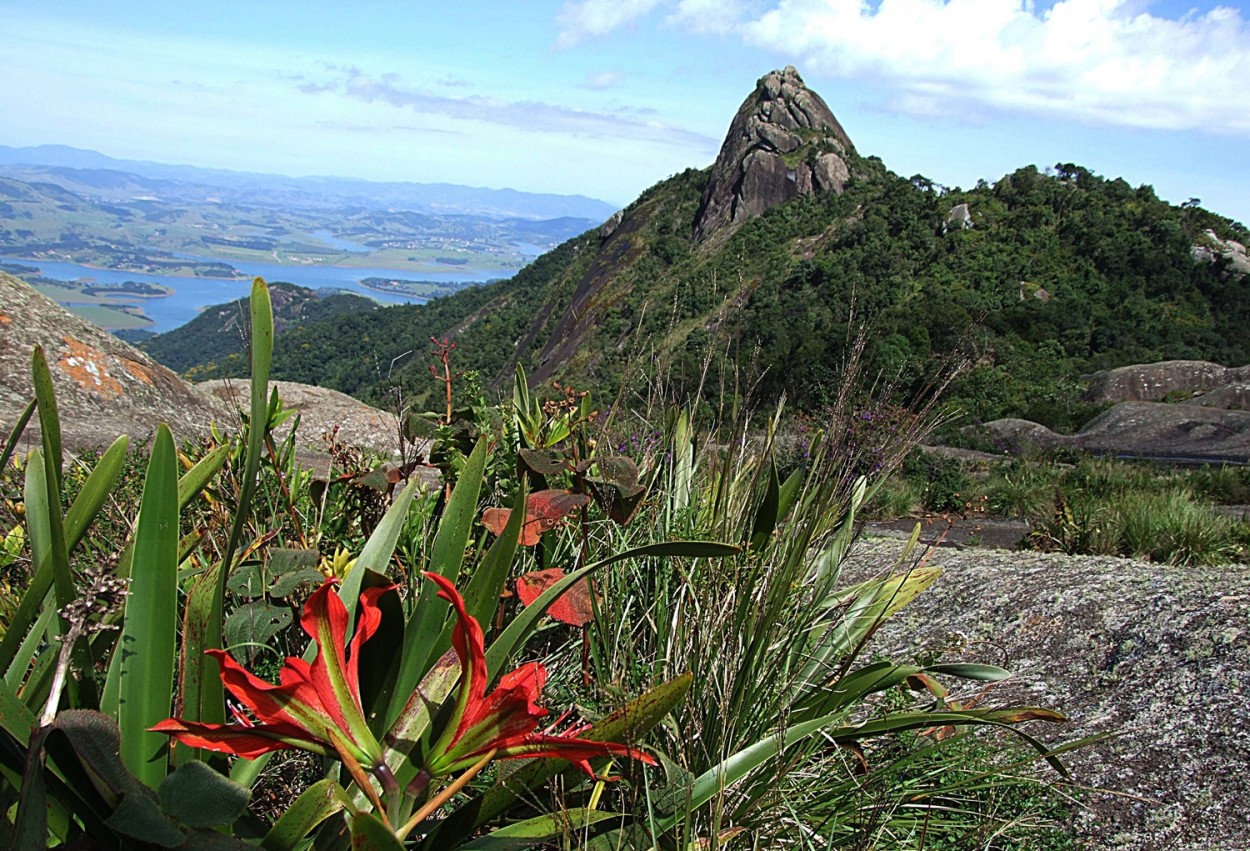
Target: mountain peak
x,y
783,142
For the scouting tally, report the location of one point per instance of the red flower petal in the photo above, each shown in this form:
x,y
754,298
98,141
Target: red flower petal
x,y
247,742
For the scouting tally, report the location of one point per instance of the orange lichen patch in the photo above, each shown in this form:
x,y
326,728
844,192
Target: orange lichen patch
x,y
5,319
86,366
139,371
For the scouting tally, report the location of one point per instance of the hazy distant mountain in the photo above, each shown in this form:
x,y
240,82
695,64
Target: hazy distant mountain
x,y
94,173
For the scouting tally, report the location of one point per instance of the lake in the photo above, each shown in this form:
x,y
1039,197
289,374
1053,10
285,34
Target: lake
x,y
191,295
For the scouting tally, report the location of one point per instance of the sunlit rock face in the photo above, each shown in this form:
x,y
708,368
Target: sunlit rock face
x,y
783,143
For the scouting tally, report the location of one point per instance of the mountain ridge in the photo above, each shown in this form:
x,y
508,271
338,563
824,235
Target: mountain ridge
x,y
432,197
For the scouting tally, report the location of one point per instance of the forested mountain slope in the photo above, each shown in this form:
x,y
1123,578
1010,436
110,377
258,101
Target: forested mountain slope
x,y
1040,276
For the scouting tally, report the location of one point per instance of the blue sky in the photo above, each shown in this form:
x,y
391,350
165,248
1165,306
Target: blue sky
x,y
605,97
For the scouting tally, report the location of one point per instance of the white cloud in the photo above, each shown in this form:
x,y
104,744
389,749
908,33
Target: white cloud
x,y
531,117
1097,60
1101,61
597,17
602,80
716,17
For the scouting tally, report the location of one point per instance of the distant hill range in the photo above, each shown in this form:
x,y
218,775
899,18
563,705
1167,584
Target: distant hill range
x,y
756,272
94,174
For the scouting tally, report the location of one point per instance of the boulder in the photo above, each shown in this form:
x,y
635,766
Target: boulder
x,y
104,387
1158,430
322,412
1154,382
1143,430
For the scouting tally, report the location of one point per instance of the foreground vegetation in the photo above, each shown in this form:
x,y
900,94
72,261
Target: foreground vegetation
x,y
669,585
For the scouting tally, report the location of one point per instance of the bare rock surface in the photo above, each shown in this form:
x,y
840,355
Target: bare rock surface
x,y
104,387
321,411
783,142
1159,656
1153,382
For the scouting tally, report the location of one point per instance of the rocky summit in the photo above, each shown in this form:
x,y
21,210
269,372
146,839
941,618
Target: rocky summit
x,y
783,143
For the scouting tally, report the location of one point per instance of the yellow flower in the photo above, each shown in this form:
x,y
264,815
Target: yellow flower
x,y
339,566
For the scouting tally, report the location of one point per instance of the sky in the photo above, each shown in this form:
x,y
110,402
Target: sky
x,y
606,97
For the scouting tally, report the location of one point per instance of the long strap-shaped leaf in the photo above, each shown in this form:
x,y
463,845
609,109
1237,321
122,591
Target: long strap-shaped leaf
x,y
377,551
209,705
10,445
148,646
316,804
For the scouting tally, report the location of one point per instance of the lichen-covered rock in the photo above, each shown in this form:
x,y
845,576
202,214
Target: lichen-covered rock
x,y
1158,656
104,387
1154,382
784,142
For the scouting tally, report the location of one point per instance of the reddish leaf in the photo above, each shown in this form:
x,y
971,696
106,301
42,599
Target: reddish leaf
x,y
573,607
543,511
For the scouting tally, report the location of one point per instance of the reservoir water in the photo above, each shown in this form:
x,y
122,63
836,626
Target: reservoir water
x,y
193,294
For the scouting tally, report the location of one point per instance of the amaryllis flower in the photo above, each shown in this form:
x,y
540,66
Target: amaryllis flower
x,y
314,707
505,721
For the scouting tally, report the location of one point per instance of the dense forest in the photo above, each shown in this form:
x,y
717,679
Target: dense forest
x,y
1048,275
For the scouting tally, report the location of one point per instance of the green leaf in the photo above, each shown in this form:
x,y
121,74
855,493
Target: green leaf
x,y
789,493
765,522
369,834
285,584
16,433
971,671
314,805
377,551
198,796
49,421
540,830
194,481
481,597
30,828
406,732
204,699
256,623
148,646
15,717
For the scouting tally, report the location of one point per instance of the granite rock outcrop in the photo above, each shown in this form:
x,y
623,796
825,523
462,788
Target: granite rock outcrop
x,y
783,142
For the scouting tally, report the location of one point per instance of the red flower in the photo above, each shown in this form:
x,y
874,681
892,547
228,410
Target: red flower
x,y
505,720
314,707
